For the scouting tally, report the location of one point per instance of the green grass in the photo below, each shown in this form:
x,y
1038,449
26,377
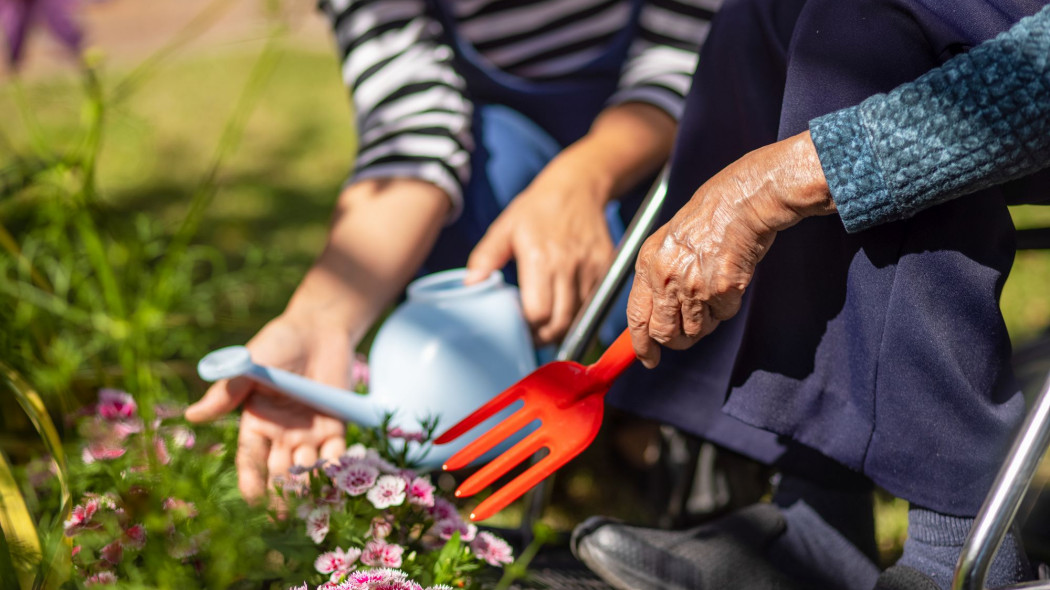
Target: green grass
x,y
279,188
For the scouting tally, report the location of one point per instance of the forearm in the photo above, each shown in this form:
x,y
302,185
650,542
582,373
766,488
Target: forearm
x,y
381,232
982,118
626,144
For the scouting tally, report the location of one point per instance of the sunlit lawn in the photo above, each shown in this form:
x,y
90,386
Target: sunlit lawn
x,y
279,188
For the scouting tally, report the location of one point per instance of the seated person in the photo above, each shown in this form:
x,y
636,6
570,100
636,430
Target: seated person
x,y
876,357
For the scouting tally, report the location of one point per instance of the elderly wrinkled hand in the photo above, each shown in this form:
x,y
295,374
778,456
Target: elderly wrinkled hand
x,y
692,272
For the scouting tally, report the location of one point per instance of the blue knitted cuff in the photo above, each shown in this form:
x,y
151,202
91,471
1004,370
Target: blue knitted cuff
x,y
854,176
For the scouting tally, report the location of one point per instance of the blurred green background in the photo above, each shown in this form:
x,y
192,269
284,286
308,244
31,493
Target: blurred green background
x,y
276,191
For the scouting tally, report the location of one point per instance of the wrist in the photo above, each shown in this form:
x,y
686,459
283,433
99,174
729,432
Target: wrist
x,y
804,189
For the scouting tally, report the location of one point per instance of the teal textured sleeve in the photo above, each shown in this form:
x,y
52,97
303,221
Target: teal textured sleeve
x,y
980,119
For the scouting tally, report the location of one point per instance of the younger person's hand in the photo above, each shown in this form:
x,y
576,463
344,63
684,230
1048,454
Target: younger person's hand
x,y
277,431
557,232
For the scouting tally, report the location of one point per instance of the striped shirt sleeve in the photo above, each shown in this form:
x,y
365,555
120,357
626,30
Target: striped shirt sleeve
x,y
412,115
663,57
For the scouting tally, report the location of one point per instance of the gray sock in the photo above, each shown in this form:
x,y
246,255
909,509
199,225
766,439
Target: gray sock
x,y
827,528
935,541
813,552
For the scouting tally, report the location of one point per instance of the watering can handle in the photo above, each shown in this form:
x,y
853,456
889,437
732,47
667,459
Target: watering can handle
x,y
614,360
236,361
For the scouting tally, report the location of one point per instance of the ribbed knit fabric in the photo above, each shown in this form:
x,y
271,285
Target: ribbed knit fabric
x,y
935,541
980,119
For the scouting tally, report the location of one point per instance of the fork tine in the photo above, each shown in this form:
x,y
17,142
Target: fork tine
x,y
521,484
492,437
510,395
503,463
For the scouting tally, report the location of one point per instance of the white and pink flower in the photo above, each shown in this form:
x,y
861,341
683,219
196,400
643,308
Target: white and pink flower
x,y
80,517
421,492
113,552
101,578
357,478
443,529
382,554
389,490
136,536
337,560
385,579
317,524
380,528
114,404
491,549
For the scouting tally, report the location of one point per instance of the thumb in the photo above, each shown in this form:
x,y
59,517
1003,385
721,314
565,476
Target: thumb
x,y
220,399
492,253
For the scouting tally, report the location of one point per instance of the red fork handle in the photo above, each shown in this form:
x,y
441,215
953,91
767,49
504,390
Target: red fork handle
x,y
614,360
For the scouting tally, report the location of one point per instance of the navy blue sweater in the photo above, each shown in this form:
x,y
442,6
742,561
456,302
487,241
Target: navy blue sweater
x,y
980,119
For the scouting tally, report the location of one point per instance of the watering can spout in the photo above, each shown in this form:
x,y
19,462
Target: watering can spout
x,y
236,361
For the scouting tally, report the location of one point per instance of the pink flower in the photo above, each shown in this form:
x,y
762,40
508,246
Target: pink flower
x,y
300,587
76,549
360,453
337,560
113,552
125,428
359,373
101,578
115,405
443,510
388,491
18,17
421,492
183,437
161,450
301,469
443,529
186,509
136,536
357,478
100,452
398,432
331,494
380,528
491,549
317,524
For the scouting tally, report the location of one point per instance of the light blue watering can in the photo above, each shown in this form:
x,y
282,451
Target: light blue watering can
x,y
443,353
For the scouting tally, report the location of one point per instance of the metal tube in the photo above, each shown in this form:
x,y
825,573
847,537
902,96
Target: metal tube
x,y
589,318
1000,507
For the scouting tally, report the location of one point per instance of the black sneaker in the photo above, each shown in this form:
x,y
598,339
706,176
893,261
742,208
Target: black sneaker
x,y
902,577
725,554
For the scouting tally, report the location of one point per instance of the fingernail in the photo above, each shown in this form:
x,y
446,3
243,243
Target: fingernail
x,y
474,276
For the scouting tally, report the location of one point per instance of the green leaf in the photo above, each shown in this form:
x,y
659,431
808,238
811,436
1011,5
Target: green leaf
x,y
21,540
34,408
445,565
7,566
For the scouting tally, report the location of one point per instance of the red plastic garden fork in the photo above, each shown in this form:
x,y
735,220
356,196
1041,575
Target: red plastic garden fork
x,y
566,397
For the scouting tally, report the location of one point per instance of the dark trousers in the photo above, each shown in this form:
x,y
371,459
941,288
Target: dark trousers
x,y
884,350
